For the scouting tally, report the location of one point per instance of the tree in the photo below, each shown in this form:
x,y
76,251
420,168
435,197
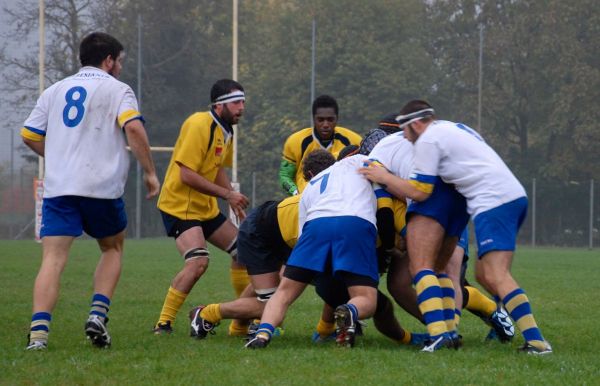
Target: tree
x,y
539,72
66,22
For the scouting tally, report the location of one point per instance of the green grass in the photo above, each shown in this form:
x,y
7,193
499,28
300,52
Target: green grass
x,y
562,284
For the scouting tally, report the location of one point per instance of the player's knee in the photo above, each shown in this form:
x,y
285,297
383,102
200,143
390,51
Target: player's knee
x,y
263,295
196,261
488,279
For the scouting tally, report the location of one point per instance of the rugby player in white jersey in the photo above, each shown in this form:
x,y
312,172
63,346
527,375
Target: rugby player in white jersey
x,y
496,201
429,251
337,237
77,125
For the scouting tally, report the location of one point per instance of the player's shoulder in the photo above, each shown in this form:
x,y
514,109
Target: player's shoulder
x,y
199,118
394,138
292,148
355,161
347,133
301,134
442,127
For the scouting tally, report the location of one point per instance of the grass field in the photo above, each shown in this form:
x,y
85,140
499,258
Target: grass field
x,y
562,284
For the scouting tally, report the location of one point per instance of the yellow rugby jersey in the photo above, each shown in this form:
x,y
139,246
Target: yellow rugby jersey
x,y
287,218
302,142
204,146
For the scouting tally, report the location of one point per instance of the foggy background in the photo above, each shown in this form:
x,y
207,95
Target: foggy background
x,y
525,74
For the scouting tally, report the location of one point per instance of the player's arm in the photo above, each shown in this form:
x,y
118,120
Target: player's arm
x,y
236,200
287,177
194,180
140,147
37,146
397,186
385,218
33,132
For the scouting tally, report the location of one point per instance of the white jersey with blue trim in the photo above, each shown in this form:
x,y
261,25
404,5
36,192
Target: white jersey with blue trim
x,y
459,156
395,153
80,119
339,191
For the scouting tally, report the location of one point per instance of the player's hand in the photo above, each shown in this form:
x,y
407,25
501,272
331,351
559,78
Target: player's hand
x,y
152,185
375,174
237,201
240,214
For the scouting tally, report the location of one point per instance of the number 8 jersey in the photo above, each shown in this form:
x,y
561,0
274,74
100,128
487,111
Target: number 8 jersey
x,y
80,119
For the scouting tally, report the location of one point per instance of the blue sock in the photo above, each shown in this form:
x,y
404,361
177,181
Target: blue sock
x,y
100,306
40,326
353,311
266,329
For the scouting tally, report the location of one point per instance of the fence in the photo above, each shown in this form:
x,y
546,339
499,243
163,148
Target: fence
x,y
560,213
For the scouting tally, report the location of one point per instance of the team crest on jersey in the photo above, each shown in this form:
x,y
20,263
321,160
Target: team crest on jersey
x,y
218,150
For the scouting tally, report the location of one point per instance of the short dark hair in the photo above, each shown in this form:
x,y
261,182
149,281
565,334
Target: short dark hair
x,y
347,151
415,110
96,47
222,87
324,101
315,162
414,106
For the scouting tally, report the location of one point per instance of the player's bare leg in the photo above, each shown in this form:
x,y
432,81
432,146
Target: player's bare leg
x,y
193,267
192,247
362,305
288,291
55,253
108,269
399,285
47,283
225,238
250,305
106,278
424,238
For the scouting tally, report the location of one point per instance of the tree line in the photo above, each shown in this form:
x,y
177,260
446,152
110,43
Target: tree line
x,y
540,69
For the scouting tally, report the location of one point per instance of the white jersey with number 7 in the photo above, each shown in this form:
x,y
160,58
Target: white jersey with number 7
x,y
339,191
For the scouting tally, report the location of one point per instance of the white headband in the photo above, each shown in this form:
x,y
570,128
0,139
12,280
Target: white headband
x,y
405,120
233,96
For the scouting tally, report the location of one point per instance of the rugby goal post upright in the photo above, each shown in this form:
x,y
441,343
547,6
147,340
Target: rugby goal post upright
x,y
38,183
234,75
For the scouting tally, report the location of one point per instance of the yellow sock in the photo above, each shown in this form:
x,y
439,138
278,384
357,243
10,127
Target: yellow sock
x,y
406,338
457,315
325,328
171,306
212,313
478,302
429,300
448,301
237,329
239,279
519,309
